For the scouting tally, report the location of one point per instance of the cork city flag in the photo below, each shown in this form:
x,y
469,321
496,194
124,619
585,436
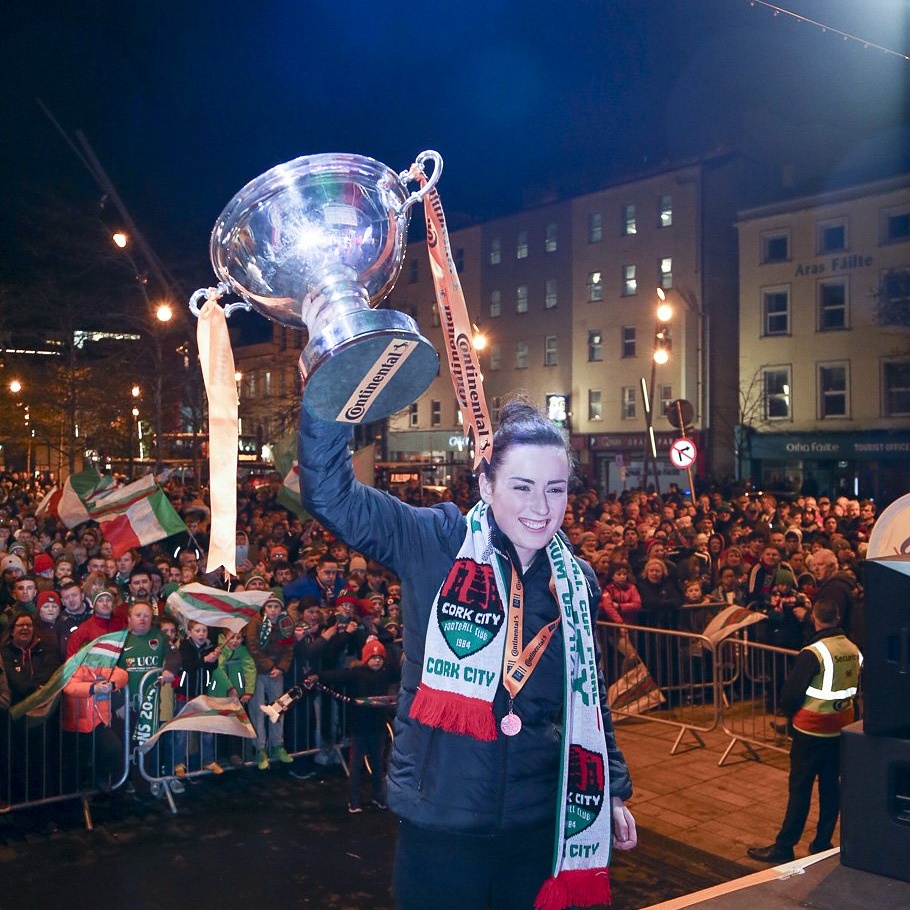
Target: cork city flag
x,y
214,607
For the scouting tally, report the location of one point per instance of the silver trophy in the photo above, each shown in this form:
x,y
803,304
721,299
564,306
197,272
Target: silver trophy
x,y
317,243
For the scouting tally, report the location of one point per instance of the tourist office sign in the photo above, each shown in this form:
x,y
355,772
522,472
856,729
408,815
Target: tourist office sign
x,y
872,444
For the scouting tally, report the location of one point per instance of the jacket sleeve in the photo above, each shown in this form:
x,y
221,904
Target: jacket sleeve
x,y
371,521
261,660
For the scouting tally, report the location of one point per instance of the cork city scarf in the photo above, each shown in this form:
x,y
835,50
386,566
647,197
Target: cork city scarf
x,y
466,656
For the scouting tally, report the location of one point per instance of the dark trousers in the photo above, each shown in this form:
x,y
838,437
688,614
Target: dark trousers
x,y
449,871
370,745
812,757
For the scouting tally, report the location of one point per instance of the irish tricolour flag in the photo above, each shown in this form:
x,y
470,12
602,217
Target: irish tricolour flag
x,y
135,515
72,503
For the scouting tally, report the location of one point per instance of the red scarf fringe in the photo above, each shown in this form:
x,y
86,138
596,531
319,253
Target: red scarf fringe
x,y
454,713
575,888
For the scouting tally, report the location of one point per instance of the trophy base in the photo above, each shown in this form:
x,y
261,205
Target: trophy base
x,y
365,366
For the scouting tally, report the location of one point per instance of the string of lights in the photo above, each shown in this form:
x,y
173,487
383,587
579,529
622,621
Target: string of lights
x,y
778,10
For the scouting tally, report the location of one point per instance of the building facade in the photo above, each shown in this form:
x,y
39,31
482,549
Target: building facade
x,y
825,342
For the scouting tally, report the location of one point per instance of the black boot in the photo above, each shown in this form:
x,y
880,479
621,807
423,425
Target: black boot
x,y
775,853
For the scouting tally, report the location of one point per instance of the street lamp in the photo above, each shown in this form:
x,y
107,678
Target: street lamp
x,y
660,354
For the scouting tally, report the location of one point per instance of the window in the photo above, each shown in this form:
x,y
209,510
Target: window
x,y
521,299
665,211
595,404
495,251
629,224
628,402
595,286
775,247
627,338
267,383
776,383
629,281
550,358
434,313
664,397
832,390
557,409
458,258
495,357
896,226
595,227
521,355
832,236
435,413
896,387
665,272
595,347
521,247
832,305
495,405
459,417
495,303
283,338
549,300
776,311
412,415
550,241
413,270
250,381
894,298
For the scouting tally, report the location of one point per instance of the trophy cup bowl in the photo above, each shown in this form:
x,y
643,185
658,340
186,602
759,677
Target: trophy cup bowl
x,y
317,243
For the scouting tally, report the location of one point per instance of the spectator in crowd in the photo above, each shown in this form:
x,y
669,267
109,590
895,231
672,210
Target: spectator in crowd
x,y
234,676
47,625
621,601
833,585
660,597
100,622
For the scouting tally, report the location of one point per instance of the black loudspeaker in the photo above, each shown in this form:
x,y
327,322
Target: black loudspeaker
x,y
886,649
875,803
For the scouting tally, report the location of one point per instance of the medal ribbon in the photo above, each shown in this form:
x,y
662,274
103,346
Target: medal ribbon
x,y
456,325
518,665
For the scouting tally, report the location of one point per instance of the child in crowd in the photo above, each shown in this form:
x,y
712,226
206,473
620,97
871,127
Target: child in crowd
x,y
366,723
235,675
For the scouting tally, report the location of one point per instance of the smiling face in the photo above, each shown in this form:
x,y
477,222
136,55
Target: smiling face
x,y
528,496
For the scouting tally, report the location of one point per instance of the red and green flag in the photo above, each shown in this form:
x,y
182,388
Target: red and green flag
x,y
214,607
136,515
102,654
208,714
729,621
72,503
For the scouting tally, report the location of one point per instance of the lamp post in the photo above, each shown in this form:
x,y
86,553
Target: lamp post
x,y
135,392
660,354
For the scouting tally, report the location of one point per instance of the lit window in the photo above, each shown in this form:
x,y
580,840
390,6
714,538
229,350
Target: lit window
x,y
434,313
664,397
495,303
551,237
435,413
595,286
595,404
628,402
666,272
495,251
832,390
629,281
412,414
521,299
776,381
628,341
550,295
665,211
629,223
557,409
595,347
521,248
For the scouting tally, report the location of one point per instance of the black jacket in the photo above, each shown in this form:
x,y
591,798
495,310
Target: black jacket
x,y
440,780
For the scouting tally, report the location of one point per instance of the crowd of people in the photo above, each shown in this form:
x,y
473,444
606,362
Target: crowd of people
x,y
653,556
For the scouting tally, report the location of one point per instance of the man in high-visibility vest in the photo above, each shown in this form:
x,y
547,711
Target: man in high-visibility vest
x,y
819,699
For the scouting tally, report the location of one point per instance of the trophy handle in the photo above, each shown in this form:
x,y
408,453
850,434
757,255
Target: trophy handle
x,y
414,172
216,294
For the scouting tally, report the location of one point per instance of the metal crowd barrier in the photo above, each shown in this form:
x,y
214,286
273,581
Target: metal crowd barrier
x,y
41,763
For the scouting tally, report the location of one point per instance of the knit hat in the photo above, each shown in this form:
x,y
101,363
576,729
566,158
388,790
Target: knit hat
x,y
783,577
43,563
357,564
278,552
273,599
103,592
48,597
374,647
11,561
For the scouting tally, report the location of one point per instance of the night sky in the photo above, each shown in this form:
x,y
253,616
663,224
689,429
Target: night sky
x,y
184,102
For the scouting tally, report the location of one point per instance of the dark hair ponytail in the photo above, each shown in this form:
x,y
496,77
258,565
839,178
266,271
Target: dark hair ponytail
x,y
522,423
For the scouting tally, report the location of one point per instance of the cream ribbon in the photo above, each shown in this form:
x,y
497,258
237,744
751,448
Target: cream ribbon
x,y
217,361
